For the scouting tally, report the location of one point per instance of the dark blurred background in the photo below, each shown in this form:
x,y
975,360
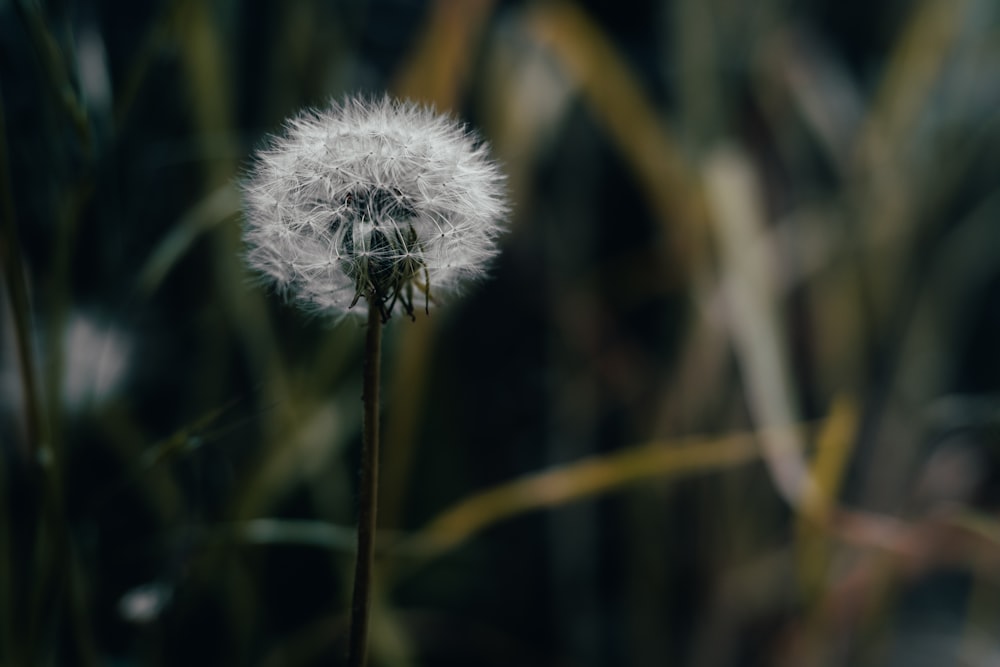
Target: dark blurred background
x,y
729,397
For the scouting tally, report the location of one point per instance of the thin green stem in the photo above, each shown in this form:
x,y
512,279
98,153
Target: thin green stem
x,y
357,654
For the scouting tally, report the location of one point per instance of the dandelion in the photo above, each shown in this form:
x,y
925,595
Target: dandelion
x,y
372,206
379,199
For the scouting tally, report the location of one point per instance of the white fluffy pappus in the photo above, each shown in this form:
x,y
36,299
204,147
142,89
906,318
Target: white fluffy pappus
x,y
372,202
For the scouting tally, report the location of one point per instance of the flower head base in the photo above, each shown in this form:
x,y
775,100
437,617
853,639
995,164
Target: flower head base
x,y
381,199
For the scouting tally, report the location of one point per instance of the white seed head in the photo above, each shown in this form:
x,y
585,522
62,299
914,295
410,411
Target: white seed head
x,y
378,200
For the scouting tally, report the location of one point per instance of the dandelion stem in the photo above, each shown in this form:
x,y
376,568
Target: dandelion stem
x,y
361,603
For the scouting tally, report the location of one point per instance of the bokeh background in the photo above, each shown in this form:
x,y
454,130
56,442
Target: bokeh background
x,y
729,397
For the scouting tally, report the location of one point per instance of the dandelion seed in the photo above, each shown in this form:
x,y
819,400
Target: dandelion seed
x,y
381,199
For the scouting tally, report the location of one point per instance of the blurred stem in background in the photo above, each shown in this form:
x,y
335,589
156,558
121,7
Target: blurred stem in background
x,y
11,651
46,592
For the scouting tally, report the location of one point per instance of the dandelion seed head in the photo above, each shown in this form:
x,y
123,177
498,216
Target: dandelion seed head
x,y
375,200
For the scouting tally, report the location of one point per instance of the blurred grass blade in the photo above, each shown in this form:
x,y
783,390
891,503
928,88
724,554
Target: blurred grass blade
x,y
631,120
142,60
188,439
964,262
754,311
16,286
290,531
824,93
833,451
576,481
216,208
18,305
919,56
183,442
58,68
439,66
